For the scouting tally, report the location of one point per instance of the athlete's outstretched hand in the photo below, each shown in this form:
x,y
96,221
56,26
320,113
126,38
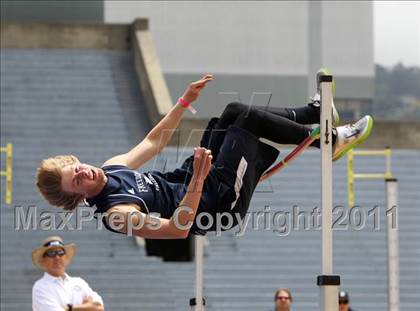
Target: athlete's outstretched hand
x,y
193,90
202,163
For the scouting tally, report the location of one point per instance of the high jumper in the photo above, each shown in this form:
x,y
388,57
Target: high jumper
x,y
220,177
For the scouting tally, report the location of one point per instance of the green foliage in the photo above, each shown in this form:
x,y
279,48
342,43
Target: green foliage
x,y
397,93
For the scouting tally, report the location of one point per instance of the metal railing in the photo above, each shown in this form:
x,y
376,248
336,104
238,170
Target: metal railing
x,y
392,231
351,176
8,172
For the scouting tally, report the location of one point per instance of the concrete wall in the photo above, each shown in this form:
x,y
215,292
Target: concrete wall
x,y
53,11
341,38
246,46
41,35
35,35
347,38
260,46
223,37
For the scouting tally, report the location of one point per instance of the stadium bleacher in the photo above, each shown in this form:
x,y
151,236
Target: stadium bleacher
x,y
88,103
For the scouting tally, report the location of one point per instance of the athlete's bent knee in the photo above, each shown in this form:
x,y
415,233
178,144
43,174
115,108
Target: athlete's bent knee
x,y
235,108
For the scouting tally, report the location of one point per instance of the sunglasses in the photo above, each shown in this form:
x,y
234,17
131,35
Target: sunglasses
x,y
52,254
343,302
282,298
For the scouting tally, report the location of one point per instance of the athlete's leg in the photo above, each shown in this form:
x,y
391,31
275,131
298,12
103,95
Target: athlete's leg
x,y
309,114
304,115
273,127
284,131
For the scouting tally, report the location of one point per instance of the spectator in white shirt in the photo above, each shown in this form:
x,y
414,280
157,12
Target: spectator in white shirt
x,y
56,290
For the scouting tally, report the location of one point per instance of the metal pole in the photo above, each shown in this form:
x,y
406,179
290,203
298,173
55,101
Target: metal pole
x,y
9,184
197,303
328,283
393,245
350,178
388,162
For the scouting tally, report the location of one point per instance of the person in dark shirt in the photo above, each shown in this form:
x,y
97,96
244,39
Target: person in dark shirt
x,y
344,301
218,179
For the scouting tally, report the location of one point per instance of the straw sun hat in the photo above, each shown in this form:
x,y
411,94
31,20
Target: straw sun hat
x,y
49,243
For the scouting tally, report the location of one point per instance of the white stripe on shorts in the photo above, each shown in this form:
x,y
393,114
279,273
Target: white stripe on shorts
x,y
240,172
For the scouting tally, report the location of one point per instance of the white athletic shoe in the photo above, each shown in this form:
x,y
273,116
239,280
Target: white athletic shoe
x,y
316,99
351,135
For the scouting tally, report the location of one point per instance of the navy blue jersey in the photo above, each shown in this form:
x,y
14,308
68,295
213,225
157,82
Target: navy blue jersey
x,y
239,161
150,190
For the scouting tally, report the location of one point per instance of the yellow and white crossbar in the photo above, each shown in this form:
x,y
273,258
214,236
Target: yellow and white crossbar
x,y
351,176
8,172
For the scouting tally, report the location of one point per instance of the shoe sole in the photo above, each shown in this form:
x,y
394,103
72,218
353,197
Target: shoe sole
x,y
336,116
357,141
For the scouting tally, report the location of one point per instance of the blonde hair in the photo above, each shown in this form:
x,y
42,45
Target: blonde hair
x,y
48,178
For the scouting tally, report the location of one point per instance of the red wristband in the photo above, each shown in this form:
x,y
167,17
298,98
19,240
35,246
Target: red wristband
x,y
186,104
183,102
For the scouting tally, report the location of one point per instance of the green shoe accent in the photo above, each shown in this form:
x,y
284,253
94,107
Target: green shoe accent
x,y
362,138
316,133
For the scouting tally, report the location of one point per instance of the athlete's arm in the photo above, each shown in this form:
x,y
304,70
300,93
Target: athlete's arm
x,y
162,133
128,219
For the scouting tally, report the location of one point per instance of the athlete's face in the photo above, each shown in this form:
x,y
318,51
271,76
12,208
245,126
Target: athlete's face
x,y
81,178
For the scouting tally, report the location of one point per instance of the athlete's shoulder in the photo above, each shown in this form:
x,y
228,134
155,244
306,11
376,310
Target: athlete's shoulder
x,y
114,167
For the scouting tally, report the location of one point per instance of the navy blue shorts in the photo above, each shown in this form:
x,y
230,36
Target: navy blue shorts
x,y
240,159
